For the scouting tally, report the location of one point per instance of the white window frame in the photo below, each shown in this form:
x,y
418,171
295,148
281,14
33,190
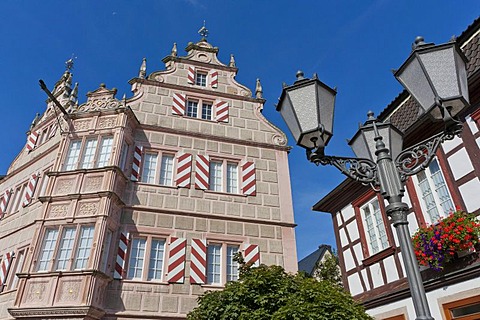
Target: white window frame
x,y
157,177
227,268
77,160
145,266
226,185
375,226
201,78
432,214
51,263
201,106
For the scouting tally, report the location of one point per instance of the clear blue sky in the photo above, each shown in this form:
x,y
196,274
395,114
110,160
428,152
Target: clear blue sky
x,y
351,44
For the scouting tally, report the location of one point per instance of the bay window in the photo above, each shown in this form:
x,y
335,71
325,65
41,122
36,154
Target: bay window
x,y
89,152
71,252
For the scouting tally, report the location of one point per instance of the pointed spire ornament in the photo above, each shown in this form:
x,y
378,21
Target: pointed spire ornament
x,y
203,32
174,50
74,94
35,120
258,90
232,61
143,69
124,99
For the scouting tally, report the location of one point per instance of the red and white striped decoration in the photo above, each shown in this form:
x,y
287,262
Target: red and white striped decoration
x,y
121,256
30,189
251,254
5,266
249,181
191,75
179,101
176,260
32,140
137,162
214,79
4,202
53,130
202,172
198,263
184,170
221,111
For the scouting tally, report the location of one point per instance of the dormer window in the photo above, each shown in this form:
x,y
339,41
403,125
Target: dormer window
x,y
201,79
199,109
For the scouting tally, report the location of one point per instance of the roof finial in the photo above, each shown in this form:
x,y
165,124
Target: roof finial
x,y
143,69
258,90
69,63
203,32
174,50
232,61
74,94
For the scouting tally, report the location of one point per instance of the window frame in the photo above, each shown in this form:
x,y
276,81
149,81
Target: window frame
x,y
224,187
374,212
429,219
225,274
201,104
201,78
447,307
94,161
160,154
52,262
16,267
145,267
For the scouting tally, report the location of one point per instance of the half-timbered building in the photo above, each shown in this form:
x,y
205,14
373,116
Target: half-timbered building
x,y
369,253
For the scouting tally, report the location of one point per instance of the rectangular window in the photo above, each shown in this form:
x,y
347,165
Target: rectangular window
x,y
213,263
78,239
149,167
232,266
106,251
436,199
65,249
166,170
201,79
72,155
18,261
48,246
155,266
215,176
105,152
192,109
123,156
84,247
375,226
146,261
207,111
156,171
198,108
16,200
221,266
89,152
465,309
224,176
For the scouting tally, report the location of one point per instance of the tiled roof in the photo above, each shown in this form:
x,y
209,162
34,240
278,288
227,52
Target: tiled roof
x,y
309,263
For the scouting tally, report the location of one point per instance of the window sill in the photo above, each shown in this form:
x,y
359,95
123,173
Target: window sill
x,y
223,193
379,256
140,183
163,283
213,286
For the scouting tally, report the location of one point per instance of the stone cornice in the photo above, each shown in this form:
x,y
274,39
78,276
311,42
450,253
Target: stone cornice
x,y
211,216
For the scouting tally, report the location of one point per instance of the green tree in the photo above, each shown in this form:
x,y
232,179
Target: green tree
x,y
328,269
268,292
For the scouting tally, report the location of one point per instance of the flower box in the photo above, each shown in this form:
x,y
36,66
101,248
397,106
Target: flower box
x,y
452,237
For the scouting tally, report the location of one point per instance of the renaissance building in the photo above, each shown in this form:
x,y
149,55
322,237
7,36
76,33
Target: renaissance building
x,y
131,208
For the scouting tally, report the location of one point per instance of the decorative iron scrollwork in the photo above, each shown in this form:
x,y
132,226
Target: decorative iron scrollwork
x,y
358,169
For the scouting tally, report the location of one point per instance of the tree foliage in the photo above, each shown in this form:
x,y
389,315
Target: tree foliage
x,y
329,270
268,292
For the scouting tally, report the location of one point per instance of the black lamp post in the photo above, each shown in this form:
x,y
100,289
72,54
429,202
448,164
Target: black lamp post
x,y
435,76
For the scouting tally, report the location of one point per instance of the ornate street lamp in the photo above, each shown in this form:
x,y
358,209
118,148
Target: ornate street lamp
x,y
436,78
